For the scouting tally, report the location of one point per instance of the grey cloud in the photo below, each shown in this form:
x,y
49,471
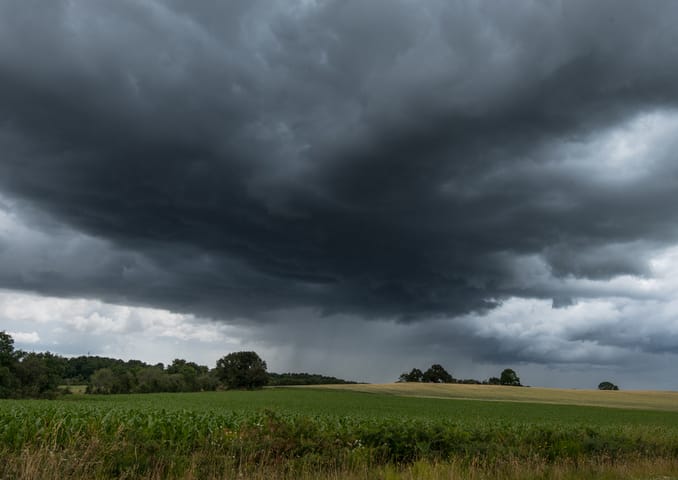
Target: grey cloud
x,y
379,159
562,302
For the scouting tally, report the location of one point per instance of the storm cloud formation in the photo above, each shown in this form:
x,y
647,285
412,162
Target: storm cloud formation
x,y
383,159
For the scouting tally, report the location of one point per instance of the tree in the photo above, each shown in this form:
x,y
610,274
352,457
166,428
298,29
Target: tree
x,y
510,378
415,375
607,386
7,355
9,383
437,374
102,381
40,374
191,373
242,370
151,379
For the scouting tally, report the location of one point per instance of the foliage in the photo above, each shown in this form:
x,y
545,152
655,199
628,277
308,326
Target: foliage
x,y
437,374
35,375
510,378
7,355
152,379
102,381
8,379
242,370
282,379
415,375
469,381
38,375
607,386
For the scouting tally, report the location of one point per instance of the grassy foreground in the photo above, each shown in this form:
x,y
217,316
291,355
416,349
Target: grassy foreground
x,y
314,433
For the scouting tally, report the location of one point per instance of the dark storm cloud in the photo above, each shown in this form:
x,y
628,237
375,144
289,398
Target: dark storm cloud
x,y
376,158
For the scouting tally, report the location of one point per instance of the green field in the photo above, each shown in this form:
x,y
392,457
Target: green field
x,y
335,433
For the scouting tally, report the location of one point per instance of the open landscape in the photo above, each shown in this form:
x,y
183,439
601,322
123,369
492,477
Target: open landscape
x,y
338,239
394,431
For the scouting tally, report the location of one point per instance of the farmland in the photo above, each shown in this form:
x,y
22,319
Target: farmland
x,y
647,400
301,432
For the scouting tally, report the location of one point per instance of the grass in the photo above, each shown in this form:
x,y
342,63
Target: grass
x,y
330,433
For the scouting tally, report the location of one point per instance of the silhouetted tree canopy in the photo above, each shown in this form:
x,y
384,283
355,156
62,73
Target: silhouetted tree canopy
x,y
509,377
242,370
415,375
279,379
35,375
39,375
437,374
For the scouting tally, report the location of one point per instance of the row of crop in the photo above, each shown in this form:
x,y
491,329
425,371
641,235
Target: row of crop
x,y
143,436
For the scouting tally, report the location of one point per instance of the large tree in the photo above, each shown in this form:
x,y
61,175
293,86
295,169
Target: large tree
x,y
509,377
242,370
437,374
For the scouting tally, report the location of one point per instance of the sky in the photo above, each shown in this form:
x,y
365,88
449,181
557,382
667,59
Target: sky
x,y
347,187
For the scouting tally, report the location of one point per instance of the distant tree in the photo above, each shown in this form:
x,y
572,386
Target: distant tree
x,y
80,369
102,381
469,381
208,381
8,382
415,375
510,378
40,374
242,370
8,363
188,372
492,381
6,348
607,386
275,379
125,381
151,379
437,374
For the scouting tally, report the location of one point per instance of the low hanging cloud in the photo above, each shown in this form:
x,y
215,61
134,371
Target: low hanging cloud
x,y
381,160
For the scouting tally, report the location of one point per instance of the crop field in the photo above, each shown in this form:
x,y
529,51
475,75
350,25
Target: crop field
x,y
333,433
647,400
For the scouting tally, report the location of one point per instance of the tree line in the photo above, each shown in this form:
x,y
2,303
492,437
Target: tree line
x,y
46,375
436,373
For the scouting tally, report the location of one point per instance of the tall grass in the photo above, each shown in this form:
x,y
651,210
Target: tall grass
x,y
40,464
